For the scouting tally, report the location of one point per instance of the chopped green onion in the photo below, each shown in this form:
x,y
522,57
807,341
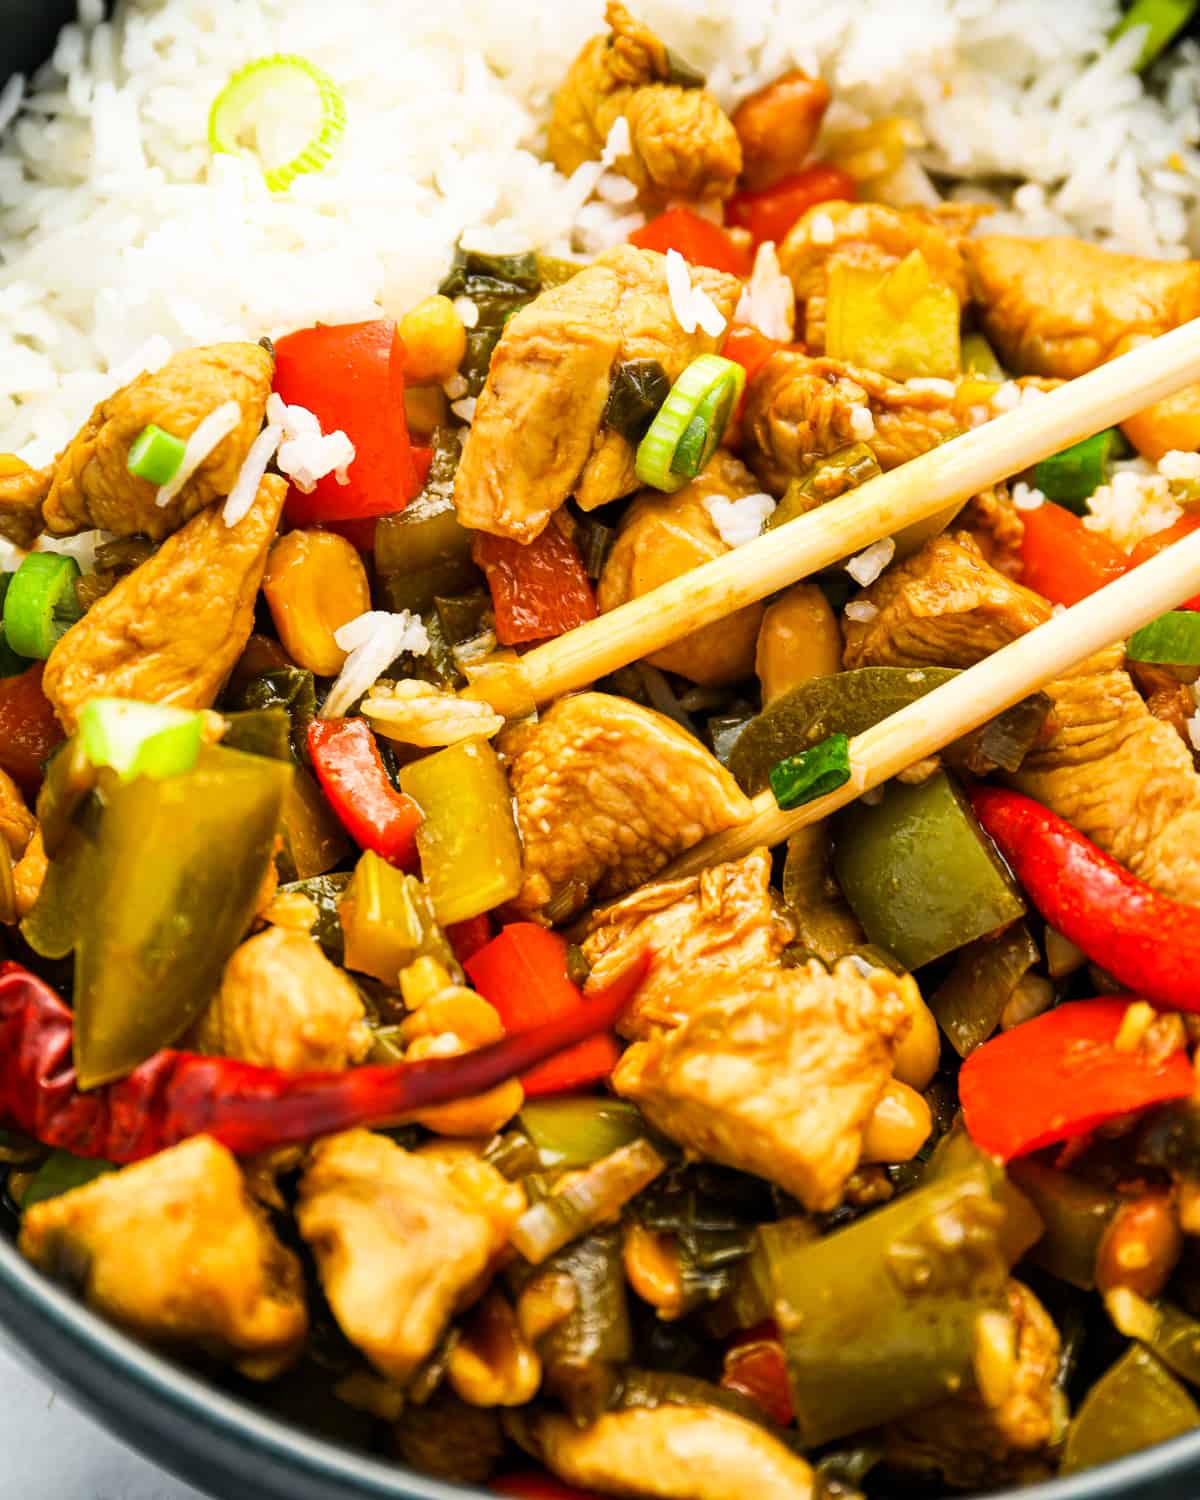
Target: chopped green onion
x,y
1163,20
690,423
155,455
1070,477
248,87
979,358
804,778
40,604
574,1130
597,1193
11,665
140,739
638,389
1173,639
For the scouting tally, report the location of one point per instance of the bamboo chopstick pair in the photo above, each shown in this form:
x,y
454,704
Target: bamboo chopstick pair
x,y
915,492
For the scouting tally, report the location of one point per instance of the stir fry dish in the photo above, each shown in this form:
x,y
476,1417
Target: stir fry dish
x,y
360,1045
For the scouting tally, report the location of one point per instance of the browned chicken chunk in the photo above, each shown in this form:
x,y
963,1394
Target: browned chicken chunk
x,y
282,1004
662,536
608,793
28,874
1121,776
724,920
170,631
1062,306
22,491
682,145
17,823
175,1250
998,1436
402,1241
873,235
92,484
776,1072
672,1452
800,409
996,525
538,434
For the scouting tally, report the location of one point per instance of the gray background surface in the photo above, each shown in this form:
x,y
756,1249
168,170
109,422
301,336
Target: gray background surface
x,y
48,1451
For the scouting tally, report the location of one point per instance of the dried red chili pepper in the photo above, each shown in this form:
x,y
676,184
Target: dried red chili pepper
x,y
1148,942
174,1095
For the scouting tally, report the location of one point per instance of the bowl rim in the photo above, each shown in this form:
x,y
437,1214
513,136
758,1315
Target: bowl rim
x,y
50,1310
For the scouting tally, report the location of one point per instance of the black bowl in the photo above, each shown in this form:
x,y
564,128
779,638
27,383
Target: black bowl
x,y
229,1447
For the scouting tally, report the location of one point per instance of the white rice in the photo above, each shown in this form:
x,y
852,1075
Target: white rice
x,y
739,521
1137,502
117,228
865,566
373,640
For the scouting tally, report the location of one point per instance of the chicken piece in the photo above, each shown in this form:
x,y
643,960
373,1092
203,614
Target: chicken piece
x,y
798,410
282,1004
775,1072
996,525
22,492
1166,697
662,536
28,874
682,144
724,920
873,235
170,631
402,1241
1108,766
538,433
607,793
673,1452
175,1250
1062,306
92,485
972,1442
17,823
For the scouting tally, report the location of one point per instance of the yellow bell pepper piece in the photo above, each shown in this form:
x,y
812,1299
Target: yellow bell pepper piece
x,y
314,584
388,922
900,323
468,842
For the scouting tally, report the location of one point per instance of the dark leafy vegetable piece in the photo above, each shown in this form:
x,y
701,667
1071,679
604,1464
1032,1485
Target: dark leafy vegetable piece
x,y
325,893
463,617
594,542
826,479
292,689
639,387
259,731
1167,1331
650,1389
969,1001
1135,1404
1075,1214
499,286
919,873
153,895
711,1212
1069,478
60,1173
813,773
554,270
1169,1138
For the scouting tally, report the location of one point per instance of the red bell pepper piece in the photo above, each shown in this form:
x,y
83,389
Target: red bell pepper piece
x,y
1146,941
523,973
1062,560
769,213
360,532
538,590
697,239
749,348
466,938
28,728
1059,1076
755,1367
536,1485
352,376
352,776
1153,545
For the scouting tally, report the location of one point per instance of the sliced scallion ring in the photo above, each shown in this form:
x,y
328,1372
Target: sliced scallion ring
x,y
11,665
140,739
690,423
247,88
155,455
40,605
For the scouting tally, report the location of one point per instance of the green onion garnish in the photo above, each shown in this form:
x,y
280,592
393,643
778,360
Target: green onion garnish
x,y
1163,20
247,88
1070,477
803,778
155,455
11,665
140,739
1173,639
690,423
40,605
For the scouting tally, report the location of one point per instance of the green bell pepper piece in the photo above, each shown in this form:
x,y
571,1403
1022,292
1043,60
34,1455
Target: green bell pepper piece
x,y
388,922
970,1000
919,874
1075,1214
423,550
154,887
576,1130
313,838
1069,478
1166,1330
1134,1404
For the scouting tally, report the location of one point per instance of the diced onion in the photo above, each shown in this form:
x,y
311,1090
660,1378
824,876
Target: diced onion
x,y
214,429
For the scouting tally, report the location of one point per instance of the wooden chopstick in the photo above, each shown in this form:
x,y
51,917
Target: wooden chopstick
x,y
976,695
915,492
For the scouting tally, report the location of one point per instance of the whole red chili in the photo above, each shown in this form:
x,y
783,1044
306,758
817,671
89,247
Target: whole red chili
x,y
1148,942
174,1095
